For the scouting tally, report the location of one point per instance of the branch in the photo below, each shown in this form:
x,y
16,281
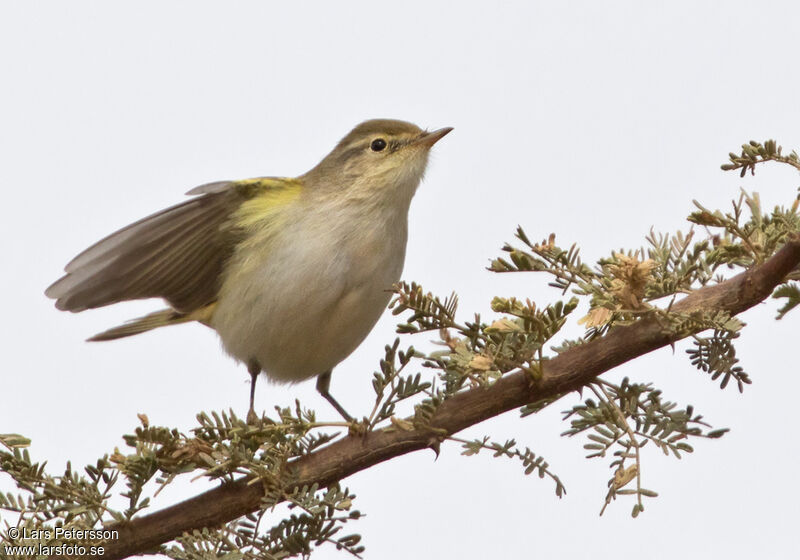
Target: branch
x,y
566,372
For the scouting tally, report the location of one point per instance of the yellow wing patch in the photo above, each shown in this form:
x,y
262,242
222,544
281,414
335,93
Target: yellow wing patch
x,y
263,208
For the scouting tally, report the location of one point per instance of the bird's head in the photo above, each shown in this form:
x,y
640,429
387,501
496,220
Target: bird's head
x,y
376,156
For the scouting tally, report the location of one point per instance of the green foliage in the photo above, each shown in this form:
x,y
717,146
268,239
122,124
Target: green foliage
x,y
791,292
14,441
478,353
390,388
428,312
322,516
221,447
623,420
530,461
754,153
716,355
746,238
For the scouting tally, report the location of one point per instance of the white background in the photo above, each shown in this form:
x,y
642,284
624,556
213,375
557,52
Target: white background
x,y
592,120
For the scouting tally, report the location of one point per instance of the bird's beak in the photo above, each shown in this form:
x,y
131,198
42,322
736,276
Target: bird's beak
x,y
430,138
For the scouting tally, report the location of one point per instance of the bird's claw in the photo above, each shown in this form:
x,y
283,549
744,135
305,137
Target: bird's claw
x,y
358,427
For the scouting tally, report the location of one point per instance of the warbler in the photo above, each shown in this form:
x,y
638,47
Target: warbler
x,y
292,273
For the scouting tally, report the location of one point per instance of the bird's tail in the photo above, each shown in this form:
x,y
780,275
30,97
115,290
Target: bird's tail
x,y
162,318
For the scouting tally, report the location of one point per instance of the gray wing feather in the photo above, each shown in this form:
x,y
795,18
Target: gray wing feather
x,y
215,187
177,254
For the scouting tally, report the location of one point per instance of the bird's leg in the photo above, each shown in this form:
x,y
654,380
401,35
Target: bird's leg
x,y
323,386
254,369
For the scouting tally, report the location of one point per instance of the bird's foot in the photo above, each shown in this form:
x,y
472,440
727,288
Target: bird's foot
x,y
323,386
358,428
252,418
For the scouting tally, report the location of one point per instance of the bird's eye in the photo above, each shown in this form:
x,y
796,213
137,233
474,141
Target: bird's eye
x,y
378,145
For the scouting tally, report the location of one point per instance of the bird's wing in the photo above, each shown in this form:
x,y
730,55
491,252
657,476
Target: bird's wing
x,y
177,254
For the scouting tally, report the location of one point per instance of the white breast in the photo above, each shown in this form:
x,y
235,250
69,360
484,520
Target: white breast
x,y
303,301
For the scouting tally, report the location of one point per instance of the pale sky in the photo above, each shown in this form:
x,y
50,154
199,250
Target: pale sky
x,y
592,120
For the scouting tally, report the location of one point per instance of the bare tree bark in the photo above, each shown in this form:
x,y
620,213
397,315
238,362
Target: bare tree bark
x,y
567,371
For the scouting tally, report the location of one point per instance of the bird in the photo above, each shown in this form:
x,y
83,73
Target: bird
x,y
291,273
